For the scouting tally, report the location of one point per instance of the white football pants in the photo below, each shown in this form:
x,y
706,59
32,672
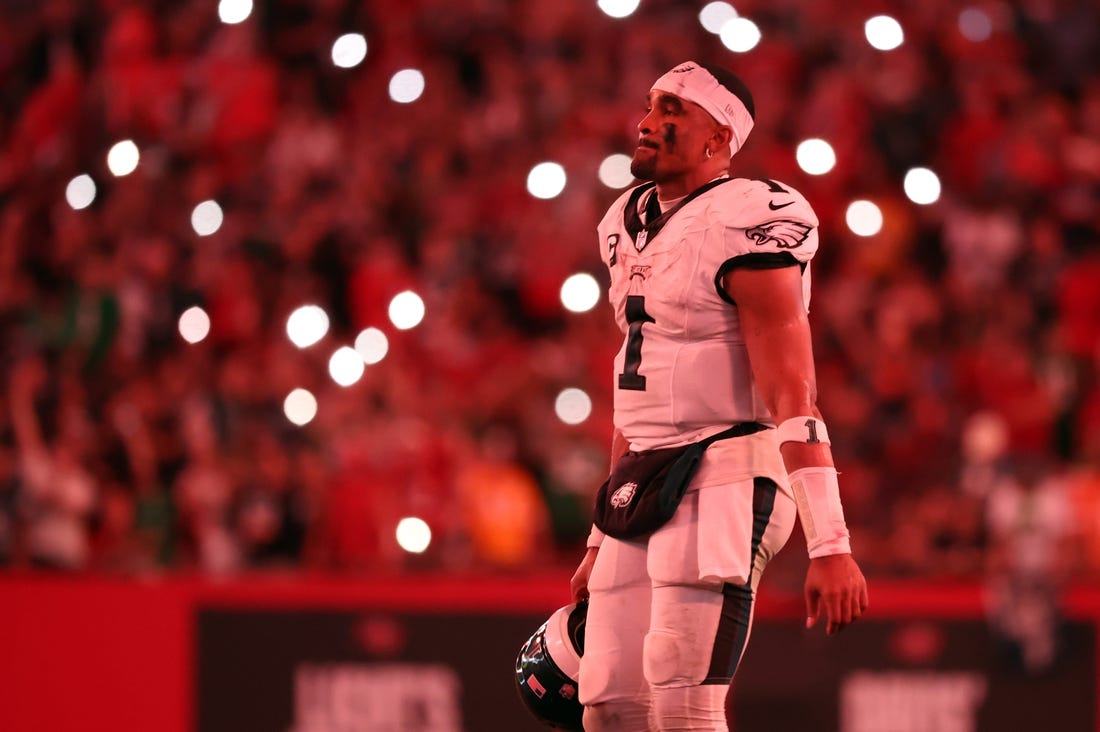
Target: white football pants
x,y
669,615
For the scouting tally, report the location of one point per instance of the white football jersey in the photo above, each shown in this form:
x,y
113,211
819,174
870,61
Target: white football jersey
x,y
683,372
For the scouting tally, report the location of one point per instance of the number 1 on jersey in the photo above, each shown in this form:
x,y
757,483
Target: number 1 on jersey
x,y
636,316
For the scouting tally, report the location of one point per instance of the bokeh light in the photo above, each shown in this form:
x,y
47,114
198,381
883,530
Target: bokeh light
x,y
815,156
740,35
231,12
975,24
80,192
580,292
618,8
206,218
864,218
194,324
372,345
123,158
546,180
984,437
883,32
345,366
406,86
573,406
413,534
406,310
300,407
922,186
307,325
715,15
349,50
615,172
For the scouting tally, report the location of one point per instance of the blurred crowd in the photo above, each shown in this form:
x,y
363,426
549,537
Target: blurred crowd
x,y
958,349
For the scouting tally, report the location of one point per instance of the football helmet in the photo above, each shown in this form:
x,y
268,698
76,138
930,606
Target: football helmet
x,y
547,668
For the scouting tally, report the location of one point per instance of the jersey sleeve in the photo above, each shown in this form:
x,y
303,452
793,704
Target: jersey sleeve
x,y
770,225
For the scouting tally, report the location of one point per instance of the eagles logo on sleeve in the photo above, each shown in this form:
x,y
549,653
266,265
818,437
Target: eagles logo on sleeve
x,y
780,234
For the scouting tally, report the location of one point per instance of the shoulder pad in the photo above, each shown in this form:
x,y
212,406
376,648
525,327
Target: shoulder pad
x,y
752,202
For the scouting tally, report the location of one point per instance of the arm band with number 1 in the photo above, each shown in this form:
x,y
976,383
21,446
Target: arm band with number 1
x,y
805,429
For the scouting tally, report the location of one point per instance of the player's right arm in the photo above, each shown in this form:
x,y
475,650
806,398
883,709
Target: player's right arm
x,y
578,585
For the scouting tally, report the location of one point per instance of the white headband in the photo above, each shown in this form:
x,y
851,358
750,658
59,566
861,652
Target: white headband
x,y
692,82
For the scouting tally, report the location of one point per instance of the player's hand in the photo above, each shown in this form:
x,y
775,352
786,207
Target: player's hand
x,y
578,586
836,588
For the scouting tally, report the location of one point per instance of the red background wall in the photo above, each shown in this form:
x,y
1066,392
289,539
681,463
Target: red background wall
x,y
98,654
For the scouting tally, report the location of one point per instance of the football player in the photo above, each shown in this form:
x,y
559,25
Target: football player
x,y
710,284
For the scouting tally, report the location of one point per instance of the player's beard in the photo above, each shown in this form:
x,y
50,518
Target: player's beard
x,y
644,168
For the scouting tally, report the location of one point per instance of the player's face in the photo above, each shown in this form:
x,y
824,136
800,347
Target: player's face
x,y
672,138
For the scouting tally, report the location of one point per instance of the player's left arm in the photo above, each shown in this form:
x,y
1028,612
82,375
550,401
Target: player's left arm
x,y
777,335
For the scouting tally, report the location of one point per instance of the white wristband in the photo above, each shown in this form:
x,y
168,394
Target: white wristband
x,y
595,537
817,495
809,430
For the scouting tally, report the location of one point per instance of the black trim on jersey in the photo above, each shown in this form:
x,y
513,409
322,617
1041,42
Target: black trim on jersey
x,y
652,207
632,221
753,260
735,621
